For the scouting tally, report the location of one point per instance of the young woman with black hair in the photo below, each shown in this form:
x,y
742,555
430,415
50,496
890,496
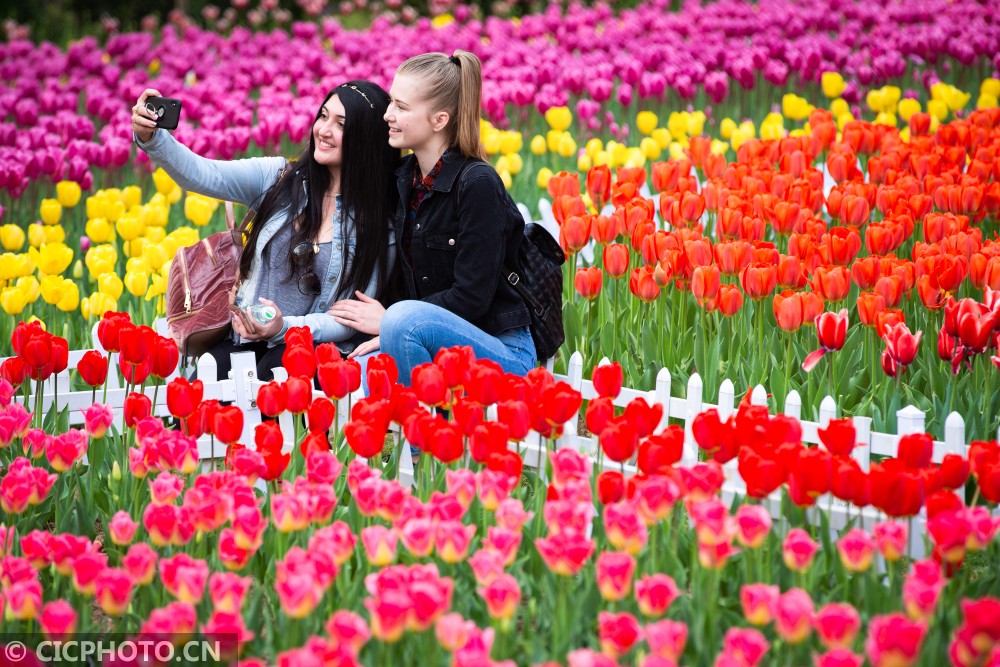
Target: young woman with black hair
x,y
454,229
322,227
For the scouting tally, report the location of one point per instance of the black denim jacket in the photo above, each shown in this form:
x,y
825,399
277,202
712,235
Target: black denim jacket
x,y
465,231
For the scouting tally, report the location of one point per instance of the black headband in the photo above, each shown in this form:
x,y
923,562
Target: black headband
x,y
455,60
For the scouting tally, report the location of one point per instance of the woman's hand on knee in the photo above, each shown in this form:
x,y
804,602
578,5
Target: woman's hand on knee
x,y
365,348
363,314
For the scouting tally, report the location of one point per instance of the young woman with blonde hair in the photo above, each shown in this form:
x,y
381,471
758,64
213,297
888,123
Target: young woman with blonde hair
x,y
456,229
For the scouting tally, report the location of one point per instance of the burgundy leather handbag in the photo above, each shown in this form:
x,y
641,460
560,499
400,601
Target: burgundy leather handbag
x,y
201,279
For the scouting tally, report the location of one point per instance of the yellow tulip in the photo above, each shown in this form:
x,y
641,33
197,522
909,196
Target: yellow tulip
x,y
552,139
511,142
501,164
661,136
137,264
52,258
646,122
907,108
986,101
634,157
131,196
156,214
200,210
113,209
593,145
97,304
129,227
95,205
70,296
491,142
68,193
843,119
601,158
12,300
52,288
719,147
50,211
833,84
650,148
559,118
154,255
619,154
938,90
696,123
30,287
157,287
99,230
584,162
135,247
794,107
110,284
904,135
538,145
677,123
885,118
726,128
515,163
890,98
676,151
771,131
506,178
77,269
839,107
11,237
164,184
990,87
567,145
100,259
543,178
938,109
137,282
155,234
956,99
185,236
16,266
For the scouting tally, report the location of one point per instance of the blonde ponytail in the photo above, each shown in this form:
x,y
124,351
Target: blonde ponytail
x,y
453,84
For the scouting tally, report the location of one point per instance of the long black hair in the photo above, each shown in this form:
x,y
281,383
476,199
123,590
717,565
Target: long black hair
x,y
367,186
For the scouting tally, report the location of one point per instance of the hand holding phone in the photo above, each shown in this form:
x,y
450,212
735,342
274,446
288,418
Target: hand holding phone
x,y
165,111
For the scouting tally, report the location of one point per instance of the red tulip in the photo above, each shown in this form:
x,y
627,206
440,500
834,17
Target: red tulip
x,y
832,282
599,184
758,280
705,282
610,487
299,361
272,398
788,310
901,343
729,300
616,259
93,368
608,379
108,330
619,440
183,396
831,330
915,450
575,232
137,406
428,382
164,358
298,394
340,378
321,414
643,285
227,424
839,437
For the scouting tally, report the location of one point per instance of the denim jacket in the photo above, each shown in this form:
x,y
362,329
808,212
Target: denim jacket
x,y
246,181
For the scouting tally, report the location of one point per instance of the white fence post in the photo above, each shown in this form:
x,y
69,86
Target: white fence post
x,y
663,397
793,405
758,396
911,420
827,411
727,399
694,396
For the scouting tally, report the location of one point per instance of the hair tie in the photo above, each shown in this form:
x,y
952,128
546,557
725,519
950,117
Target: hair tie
x,y
455,60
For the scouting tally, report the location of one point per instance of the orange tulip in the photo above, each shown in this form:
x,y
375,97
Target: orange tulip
x,y
564,184
733,256
991,275
812,307
663,272
790,272
930,292
575,233
635,175
752,228
842,165
643,285
920,124
665,174
692,207
729,300
623,192
870,304
842,245
728,224
950,271
616,258
865,272
699,251
758,280
891,289
640,232
705,283
565,207
699,148
599,184
604,229
588,282
788,310
784,217
854,210
881,238
832,282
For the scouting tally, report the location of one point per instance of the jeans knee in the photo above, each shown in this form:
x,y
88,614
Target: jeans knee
x,y
398,321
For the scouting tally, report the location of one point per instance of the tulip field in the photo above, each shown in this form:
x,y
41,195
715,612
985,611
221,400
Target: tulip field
x,y
802,196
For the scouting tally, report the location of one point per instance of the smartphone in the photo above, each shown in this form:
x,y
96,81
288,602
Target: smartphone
x,y
167,111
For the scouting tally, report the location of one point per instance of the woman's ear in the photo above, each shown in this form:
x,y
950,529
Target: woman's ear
x,y
439,120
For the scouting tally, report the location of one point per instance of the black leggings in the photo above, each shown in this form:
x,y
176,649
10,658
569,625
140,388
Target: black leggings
x,y
268,358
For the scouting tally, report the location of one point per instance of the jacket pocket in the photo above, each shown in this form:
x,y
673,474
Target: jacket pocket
x,y
441,252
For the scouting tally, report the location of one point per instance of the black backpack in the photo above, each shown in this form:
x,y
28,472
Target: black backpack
x,y
538,279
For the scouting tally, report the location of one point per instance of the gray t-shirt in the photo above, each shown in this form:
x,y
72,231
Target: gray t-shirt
x,y
274,278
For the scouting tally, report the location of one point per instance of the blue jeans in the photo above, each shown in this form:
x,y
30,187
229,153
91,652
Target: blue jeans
x,y
413,332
